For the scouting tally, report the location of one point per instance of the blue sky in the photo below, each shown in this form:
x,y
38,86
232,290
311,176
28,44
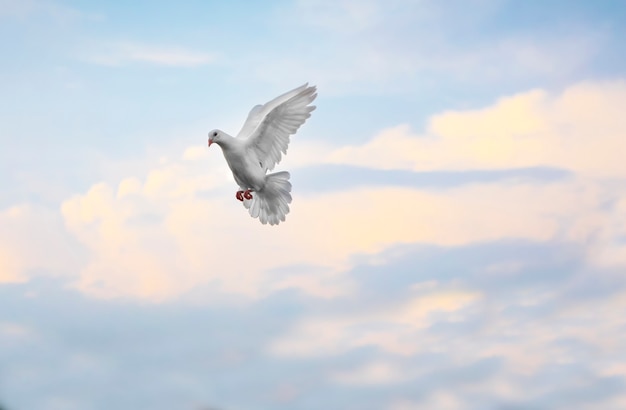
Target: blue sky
x,y
456,240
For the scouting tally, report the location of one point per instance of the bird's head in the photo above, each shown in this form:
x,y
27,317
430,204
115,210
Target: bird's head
x,y
214,136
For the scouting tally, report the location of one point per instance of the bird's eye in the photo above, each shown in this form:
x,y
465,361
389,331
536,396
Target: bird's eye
x,y
215,134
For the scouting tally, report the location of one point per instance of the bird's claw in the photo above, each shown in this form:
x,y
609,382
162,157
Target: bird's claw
x,y
240,195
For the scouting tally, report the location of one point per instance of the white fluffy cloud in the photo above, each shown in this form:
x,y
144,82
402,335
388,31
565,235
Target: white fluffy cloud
x,y
177,226
581,129
157,237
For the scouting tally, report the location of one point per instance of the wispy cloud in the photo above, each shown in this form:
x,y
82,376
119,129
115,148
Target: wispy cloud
x,y
397,45
18,8
23,9
128,53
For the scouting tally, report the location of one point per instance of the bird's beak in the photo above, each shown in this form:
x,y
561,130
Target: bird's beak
x,y
210,141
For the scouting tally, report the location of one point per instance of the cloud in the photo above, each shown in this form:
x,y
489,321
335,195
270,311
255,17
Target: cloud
x,y
26,9
174,227
166,233
336,335
342,16
375,373
32,240
476,261
514,337
129,53
499,325
365,47
12,330
143,230
580,129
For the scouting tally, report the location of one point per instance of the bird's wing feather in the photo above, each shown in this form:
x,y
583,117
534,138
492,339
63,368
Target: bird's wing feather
x,y
269,126
254,117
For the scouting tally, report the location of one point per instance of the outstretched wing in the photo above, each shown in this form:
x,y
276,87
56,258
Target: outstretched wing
x,y
269,126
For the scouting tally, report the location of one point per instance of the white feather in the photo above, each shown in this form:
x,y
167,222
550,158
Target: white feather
x,y
269,126
259,146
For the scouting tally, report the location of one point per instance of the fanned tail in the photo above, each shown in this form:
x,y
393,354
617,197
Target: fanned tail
x,y
271,204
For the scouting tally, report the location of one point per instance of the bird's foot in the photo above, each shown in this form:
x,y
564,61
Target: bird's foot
x,y
247,194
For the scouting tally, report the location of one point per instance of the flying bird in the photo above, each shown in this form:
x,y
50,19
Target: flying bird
x,y
259,146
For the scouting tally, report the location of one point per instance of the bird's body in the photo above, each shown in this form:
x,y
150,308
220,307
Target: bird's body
x,y
244,164
259,147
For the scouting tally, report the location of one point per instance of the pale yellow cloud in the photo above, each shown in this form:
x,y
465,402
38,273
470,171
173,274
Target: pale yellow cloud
x,y
126,248
151,228
154,237
195,153
581,129
10,267
31,238
128,186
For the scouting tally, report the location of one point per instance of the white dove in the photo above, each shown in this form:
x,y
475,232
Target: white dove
x,y
259,146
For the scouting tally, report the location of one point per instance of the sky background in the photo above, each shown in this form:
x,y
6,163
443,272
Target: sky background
x,y
457,237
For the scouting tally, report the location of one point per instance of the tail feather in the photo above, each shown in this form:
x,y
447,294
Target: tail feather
x,y
271,204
